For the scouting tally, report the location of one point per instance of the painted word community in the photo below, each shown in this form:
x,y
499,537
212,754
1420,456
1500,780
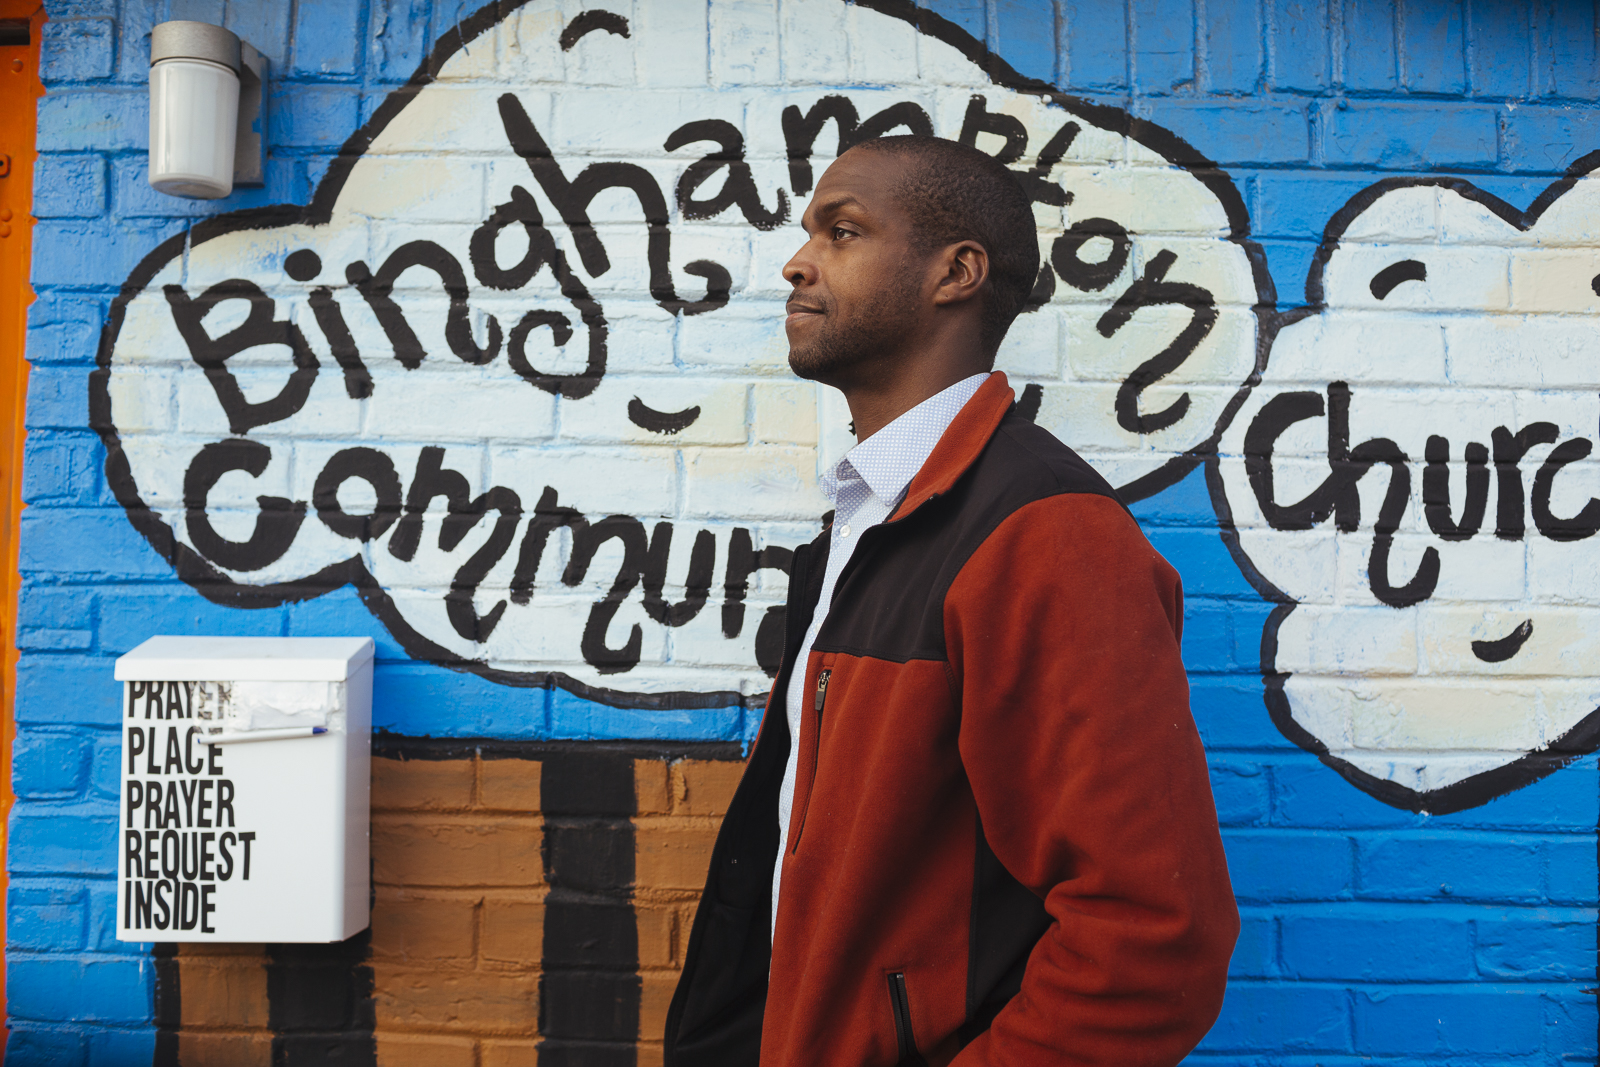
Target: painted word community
x,y
644,557
175,849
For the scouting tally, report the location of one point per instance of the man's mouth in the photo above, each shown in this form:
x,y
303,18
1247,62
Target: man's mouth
x,y
797,311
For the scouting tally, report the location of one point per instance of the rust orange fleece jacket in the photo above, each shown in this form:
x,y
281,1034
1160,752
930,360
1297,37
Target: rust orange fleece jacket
x,y
1003,849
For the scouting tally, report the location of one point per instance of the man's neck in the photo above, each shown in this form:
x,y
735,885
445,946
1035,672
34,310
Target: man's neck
x,y
875,405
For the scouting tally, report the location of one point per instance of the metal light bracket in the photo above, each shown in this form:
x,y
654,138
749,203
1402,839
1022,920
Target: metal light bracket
x,y
250,146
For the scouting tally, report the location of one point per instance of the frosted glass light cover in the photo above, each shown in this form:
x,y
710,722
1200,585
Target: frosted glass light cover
x,y
194,111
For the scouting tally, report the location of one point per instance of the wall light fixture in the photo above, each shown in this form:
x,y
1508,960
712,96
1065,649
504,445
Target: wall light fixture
x,y
207,111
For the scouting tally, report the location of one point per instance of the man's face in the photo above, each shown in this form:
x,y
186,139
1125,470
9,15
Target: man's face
x,y
858,281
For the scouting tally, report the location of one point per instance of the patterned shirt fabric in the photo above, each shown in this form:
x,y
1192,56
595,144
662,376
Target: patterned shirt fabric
x,y
864,487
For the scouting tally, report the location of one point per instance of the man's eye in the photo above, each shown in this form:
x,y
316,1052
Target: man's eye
x,y
840,233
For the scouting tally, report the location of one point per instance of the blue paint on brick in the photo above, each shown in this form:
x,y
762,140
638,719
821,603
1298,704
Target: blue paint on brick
x,y
62,468
1187,503
67,689
1432,47
266,26
1297,204
45,989
1229,132
1547,140
1025,35
1307,794
1284,1018
341,614
1233,45
1570,64
327,37
407,698
573,717
94,120
1369,51
104,783
113,1047
57,397
1286,865
1396,137
1536,945
1300,52
77,50
49,763
970,15
1500,50
1255,954
70,253
30,1047
1443,866
1241,790
1570,870
1231,715
96,543
1502,1020
59,839
1344,943
301,116
1097,45
397,38
1163,44
43,917
1207,636
130,615
1202,561
71,186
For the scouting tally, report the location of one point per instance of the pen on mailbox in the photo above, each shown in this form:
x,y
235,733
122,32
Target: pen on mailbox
x,y
281,734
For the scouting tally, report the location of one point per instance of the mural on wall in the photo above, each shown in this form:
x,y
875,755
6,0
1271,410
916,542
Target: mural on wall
x,y
1413,481
504,392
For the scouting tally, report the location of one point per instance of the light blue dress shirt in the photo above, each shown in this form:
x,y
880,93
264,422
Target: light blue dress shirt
x,y
864,486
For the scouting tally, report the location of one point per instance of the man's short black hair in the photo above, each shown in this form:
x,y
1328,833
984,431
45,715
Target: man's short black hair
x,y
955,193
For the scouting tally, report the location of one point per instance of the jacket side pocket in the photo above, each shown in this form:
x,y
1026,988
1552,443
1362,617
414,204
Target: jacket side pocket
x,y
900,1005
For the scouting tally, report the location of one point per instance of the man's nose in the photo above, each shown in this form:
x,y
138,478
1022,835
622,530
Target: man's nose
x,y
801,269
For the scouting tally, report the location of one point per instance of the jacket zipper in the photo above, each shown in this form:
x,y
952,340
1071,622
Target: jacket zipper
x,y
817,701
901,1005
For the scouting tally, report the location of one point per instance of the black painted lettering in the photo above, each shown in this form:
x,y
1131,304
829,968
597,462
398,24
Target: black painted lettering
x,y
175,709
190,853
150,752
1509,448
206,908
204,805
142,895
738,186
150,839
171,815
190,787
192,763
135,691
164,915
152,806
154,704
188,905
213,760
207,857
246,839
1436,490
171,853
1586,521
225,856
370,466
174,761
1153,290
277,523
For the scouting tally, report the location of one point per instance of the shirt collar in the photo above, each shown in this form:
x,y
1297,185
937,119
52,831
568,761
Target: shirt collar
x,y
890,458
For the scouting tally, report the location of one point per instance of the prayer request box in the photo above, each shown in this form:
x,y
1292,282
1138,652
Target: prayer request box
x,y
246,773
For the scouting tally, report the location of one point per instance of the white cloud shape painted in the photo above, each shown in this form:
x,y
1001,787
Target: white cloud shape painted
x,y
1414,480
518,374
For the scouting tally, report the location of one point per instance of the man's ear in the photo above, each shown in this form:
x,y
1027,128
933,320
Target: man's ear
x,y
963,271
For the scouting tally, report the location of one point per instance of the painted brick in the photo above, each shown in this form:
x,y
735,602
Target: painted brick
x,y
310,117
1242,792
69,186
406,699
93,121
704,787
1288,865
46,839
43,989
1393,137
57,397
62,468
407,926
1283,1018
501,1053
47,608
1432,58
129,615
327,37
1445,1022
672,856
455,1000
1255,954
1444,866
1567,871
456,851
1372,945
1230,714
1207,636
442,785
29,1047
513,930
1546,140
1162,42
1568,48
658,933
509,785
1097,36
1369,51
1300,52
1235,132
243,1050
414,1051
42,681
67,252
76,50
45,917
1304,793
1537,946
1233,45
49,764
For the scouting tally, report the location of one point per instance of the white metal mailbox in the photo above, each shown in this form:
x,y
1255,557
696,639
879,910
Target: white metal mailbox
x,y
246,766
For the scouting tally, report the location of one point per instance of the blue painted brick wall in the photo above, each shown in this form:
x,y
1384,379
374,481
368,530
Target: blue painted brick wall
x,y
1370,935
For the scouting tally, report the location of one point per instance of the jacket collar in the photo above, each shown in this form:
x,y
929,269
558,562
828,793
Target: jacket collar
x,y
958,449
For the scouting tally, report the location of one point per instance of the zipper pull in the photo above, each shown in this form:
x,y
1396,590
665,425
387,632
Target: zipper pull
x,y
822,690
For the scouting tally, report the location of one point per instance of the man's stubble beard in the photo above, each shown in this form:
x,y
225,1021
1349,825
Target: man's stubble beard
x,y
877,329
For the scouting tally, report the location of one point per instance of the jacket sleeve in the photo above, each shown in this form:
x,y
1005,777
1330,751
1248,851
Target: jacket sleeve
x,y
1063,634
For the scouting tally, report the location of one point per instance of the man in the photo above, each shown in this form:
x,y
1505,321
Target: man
x,y
976,826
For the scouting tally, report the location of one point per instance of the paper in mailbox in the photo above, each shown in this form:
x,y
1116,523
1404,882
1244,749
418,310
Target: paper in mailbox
x,y
268,705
